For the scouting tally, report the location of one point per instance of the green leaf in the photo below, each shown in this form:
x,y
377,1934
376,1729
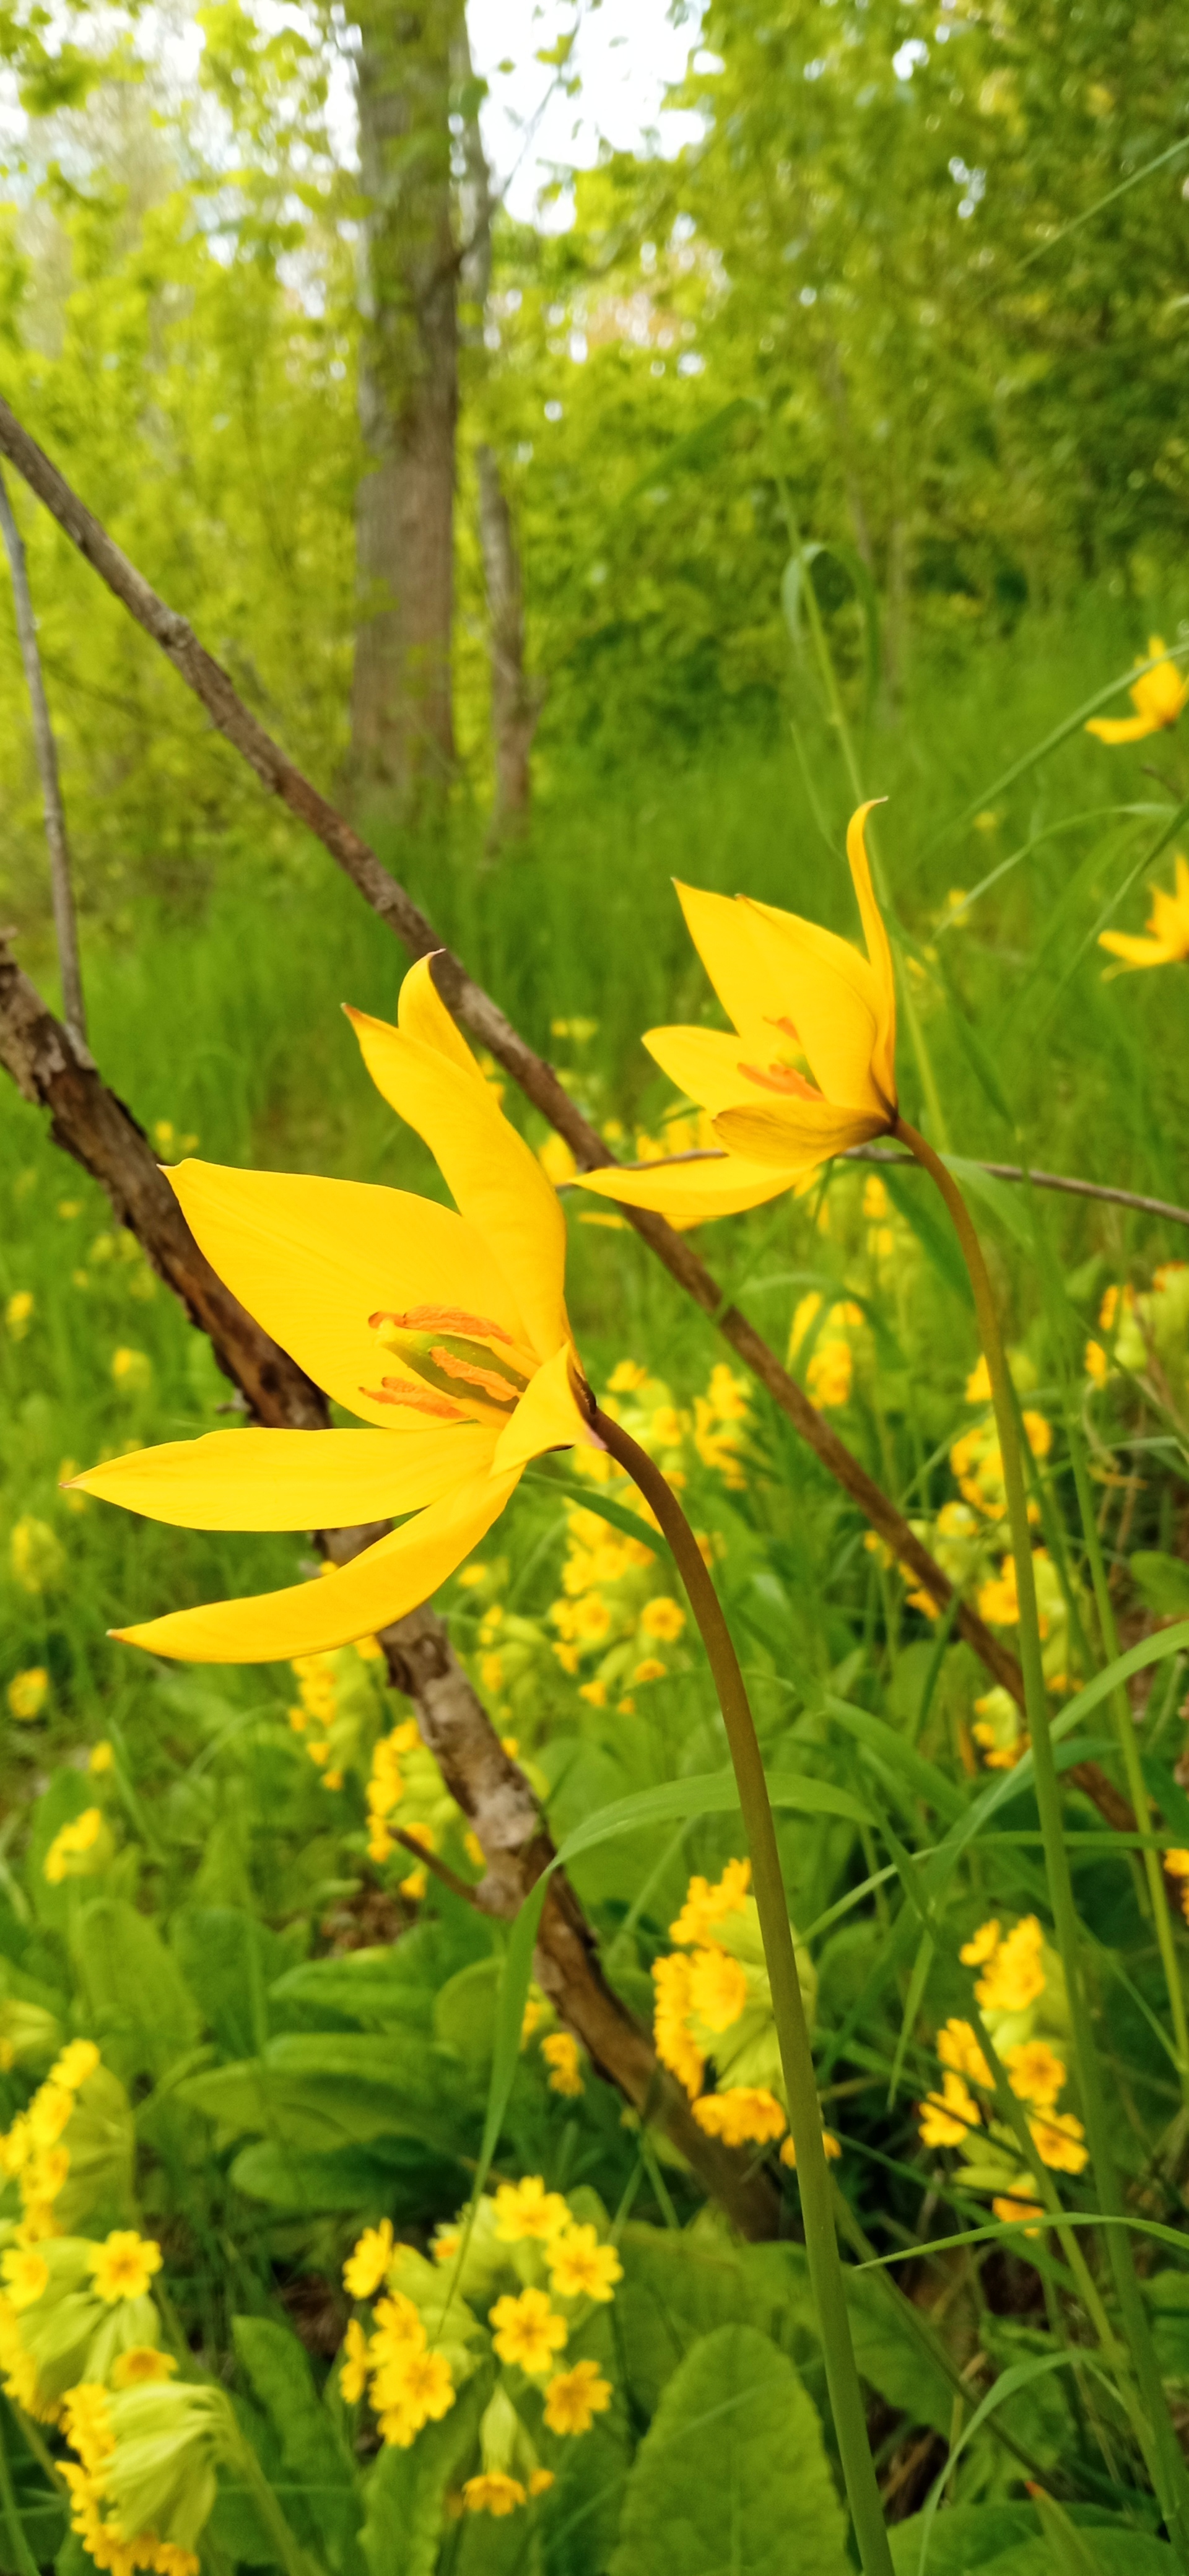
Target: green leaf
x,y
405,2490
1004,2539
932,1233
229,1959
464,2016
679,2288
138,2009
732,2467
1162,1581
328,2486
406,2179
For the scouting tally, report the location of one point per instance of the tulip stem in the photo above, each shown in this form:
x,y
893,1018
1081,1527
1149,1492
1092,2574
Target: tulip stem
x,y
1165,2460
796,2057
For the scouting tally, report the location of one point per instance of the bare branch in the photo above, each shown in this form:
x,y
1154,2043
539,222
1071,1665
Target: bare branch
x,y
51,1069
46,749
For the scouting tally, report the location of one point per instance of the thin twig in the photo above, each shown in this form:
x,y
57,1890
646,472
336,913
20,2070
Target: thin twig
x,y
441,1869
903,1162
65,922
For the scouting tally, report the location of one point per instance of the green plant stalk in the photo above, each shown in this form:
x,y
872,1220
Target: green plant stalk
x,y
17,2535
1129,1748
1167,2466
813,2173
239,2454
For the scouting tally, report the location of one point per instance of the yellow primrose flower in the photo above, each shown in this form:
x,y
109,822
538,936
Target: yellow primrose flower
x,y
1035,2073
142,2366
365,2268
26,2276
831,2144
797,996
706,1905
958,2048
1058,2142
447,1333
575,2397
528,2331
949,2116
353,2366
494,2492
1014,1970
561,2054
526,2209
718,1991
745,2112
123,2266
28,1693
1168,927
663,1619
675,2045
1158,696
581,2268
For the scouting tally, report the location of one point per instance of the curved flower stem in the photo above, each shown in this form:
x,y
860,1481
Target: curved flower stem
x,y
821,2244
1166,2463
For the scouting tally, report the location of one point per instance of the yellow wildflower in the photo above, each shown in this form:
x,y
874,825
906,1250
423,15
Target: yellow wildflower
x,y
1168,927
1015,1971
706,1905
981,1946
958,2048
831,2144
650,1670
528,2331
579,2267
575,2397
744,2112
627,1377
79,2058
1035,2073
718,1989
526,2209
27,1694
26,2276
494,2492
949,2116
35,1554
71,1843
101,1758
675,2045
1158,696
663,1619
1058,2142
123,2266
18,1313
367,2265
142,2366
561,2054
829,1374
796,995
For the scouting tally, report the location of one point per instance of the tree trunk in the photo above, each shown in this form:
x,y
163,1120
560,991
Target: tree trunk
x,y
402,717
515,700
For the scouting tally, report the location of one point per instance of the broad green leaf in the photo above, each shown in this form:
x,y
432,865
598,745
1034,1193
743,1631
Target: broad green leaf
x,y
228,1960
1005,2540
404,2491
464,2016
138,2008
933,1233
679,2288
732,2467
402,2177
1162,1581
318,2462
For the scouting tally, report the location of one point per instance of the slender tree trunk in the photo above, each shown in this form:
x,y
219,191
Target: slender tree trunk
x,y
402,717
65,924
515,700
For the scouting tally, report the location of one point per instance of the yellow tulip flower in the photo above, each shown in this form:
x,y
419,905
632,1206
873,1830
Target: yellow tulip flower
x,y
1158,696
447,1333
798,996
1168,924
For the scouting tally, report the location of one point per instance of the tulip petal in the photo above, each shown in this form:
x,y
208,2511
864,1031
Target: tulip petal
x,y
706,1064
879,952
1135,950
748,983
292,1480
1123,728
494,1177
384,1583
423,1015
311,1259
548,1416
692,1193
832,997
815,1130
